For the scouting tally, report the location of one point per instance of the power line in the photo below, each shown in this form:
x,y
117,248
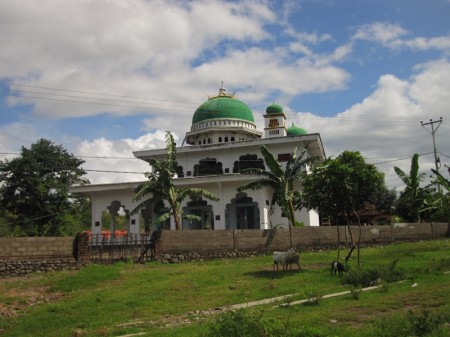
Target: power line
x,y
79,156
400,159
382,119
107,171
99,93
38,218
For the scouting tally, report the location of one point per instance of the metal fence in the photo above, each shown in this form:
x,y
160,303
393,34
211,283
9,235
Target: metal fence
x,y
102,248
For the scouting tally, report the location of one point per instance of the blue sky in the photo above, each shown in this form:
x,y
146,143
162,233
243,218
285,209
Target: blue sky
x,y
104,79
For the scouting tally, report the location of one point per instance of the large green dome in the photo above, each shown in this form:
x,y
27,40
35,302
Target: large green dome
x,y
222,107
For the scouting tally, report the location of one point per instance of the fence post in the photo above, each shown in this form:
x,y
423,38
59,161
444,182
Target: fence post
x,y
81,247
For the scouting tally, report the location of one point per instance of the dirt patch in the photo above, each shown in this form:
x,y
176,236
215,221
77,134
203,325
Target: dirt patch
x,y
15,301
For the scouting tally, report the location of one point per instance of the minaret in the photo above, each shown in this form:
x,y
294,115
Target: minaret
x,y
275,122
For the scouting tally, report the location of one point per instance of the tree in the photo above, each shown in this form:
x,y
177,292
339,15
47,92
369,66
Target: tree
x,y
340,187
34,190
281,181
413,197
442,199
161,186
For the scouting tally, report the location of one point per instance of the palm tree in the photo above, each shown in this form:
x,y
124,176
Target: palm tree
x,y
161,185
413,194
281,181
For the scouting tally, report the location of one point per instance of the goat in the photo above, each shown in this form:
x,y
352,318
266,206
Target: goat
x,y
338,267
282,257
293,259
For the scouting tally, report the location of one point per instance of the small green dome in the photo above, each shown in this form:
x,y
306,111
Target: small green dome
x,y
296,131
274,109
222,107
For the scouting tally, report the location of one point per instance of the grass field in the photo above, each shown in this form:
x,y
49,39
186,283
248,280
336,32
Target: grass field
x,y
175,300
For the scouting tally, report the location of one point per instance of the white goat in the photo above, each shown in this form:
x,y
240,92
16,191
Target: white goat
x,y
283,258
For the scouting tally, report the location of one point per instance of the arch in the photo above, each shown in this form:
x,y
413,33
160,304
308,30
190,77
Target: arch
x,y
242,213
203,211
179,171
208,166
248,161
116,218
151,213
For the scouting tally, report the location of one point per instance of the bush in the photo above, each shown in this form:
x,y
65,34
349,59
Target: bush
x,y
371,276
414,325
242,324
361,277
237,324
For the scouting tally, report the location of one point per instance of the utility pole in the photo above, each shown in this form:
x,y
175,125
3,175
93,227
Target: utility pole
x,y
437,161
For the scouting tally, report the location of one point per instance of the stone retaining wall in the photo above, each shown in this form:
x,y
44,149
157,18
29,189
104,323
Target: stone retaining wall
x,y
19,256
16,267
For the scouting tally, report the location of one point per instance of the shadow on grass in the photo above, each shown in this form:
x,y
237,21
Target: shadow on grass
x,y
274,274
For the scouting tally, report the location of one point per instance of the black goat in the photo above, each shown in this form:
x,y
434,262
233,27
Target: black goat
x,y
338,267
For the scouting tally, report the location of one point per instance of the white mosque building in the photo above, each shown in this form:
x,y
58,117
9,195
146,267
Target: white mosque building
x,y
222,140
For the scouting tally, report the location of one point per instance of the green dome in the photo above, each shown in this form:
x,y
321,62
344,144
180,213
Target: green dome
x,y
296,131
274,109
222,107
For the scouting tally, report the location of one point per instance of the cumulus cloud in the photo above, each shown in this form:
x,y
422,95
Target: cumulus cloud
x,y
396,37
119,49
109,161
385,126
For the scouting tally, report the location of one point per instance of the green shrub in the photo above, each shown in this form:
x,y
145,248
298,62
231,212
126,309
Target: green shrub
x,y
392,273
237,324
362,277
242,324
414,325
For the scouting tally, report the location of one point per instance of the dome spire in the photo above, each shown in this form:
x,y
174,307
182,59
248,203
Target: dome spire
x,y
222,93
222,90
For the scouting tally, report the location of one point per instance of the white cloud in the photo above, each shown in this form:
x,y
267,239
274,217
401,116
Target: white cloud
x,y
386,125
115,161
152,49
395,37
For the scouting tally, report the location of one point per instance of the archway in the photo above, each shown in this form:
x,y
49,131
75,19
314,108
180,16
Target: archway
x,y
201,209
116,219
150,215
242,213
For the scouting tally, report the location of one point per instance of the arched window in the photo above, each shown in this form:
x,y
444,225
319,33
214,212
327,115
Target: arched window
x,y
208,166
220,139
248,161
209,140
226,139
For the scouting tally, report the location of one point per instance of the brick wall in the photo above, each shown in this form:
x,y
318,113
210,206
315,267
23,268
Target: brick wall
x,y
22,255
270,240
36,247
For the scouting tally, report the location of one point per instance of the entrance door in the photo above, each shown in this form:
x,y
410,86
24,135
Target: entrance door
x,y
242,213
245,217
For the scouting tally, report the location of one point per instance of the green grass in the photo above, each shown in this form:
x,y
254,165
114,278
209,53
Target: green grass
x,y
95,300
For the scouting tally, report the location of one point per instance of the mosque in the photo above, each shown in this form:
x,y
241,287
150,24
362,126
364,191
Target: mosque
x,y
223,140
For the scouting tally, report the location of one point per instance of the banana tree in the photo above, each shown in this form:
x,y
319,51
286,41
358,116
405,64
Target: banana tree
x,y
160,184
413,195
282,181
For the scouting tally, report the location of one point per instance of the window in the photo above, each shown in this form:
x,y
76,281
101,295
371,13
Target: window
x,y
208,166
226,139
248,161
232,139
220,139
284,157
